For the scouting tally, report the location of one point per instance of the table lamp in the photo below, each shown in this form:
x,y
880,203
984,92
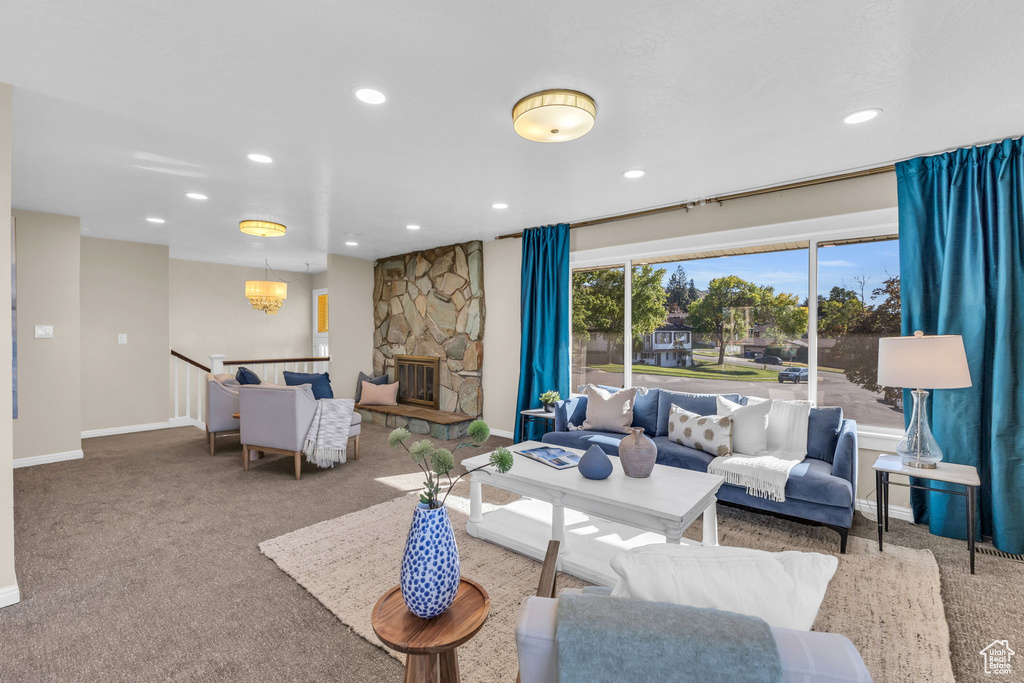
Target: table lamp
x,y
933,361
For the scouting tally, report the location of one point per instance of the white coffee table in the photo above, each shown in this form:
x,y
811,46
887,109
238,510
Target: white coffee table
x,y
593,520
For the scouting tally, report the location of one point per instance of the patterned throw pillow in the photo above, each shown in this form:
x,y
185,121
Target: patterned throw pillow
x,y
709,433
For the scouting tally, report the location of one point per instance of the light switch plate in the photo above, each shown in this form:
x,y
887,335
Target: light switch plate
x,y
122,339
44,331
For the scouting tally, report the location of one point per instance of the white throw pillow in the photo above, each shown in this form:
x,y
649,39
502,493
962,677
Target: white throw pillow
x,y
787,429
749,424
608,412
709,433
785,589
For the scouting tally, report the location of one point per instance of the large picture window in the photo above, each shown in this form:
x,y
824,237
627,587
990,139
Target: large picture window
x,y
739,320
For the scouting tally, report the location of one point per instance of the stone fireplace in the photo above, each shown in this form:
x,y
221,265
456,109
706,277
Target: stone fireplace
x,y
431,304
417,380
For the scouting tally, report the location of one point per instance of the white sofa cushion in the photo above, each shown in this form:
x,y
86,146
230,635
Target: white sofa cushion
x,y
749,424
608,412
709,433
785,589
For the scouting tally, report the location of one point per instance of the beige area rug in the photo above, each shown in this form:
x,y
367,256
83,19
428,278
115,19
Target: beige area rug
x,y
888,604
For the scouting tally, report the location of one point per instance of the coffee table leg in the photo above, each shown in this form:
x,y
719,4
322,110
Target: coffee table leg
x,y
558,525
449,666
476,501
421,669
710,536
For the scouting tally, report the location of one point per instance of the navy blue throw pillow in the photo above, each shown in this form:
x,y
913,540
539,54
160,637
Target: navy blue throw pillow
x,y
246,376
363,377
320,381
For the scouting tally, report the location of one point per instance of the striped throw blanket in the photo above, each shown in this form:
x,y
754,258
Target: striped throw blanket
x,y
327,438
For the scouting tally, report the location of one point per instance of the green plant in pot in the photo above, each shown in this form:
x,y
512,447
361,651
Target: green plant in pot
x,y
430,565
548,400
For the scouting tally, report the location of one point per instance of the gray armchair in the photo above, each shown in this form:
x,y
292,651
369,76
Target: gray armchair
x,y
276,419
221,407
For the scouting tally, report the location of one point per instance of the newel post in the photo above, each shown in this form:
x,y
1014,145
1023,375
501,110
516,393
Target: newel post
x,y
217,363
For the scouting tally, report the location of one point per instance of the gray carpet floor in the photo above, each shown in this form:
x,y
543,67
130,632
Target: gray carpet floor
x,y
140,563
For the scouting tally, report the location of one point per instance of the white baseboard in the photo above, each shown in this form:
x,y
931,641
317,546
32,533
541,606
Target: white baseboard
x,y
48,458
110,431
9,595
186,422
869,509
502,433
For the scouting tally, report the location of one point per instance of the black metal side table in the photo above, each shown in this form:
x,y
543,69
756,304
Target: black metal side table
x,y
538,416
950,473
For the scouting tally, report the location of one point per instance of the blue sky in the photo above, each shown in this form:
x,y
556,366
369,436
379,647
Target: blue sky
x,y
787,270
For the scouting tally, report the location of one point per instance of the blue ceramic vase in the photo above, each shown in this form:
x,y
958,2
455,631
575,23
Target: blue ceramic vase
x,y
430,566
595,464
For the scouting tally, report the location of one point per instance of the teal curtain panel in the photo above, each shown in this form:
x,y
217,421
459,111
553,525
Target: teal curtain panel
x,y
962,264
544,353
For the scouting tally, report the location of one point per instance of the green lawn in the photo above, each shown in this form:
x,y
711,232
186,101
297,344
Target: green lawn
x,y
727,371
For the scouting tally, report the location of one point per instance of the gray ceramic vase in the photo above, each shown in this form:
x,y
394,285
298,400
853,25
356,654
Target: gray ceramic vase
x,y
595,464
637,454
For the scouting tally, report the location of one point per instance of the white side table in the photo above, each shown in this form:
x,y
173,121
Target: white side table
x,y
964,475
538,415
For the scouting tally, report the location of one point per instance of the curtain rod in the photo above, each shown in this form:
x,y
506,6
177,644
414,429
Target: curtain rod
x,y
724,198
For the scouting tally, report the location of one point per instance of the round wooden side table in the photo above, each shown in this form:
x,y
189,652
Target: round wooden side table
x,y
430,645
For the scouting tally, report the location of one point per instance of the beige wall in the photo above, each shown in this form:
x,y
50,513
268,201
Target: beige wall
x,y
48,258
210,314
350,316
502,273
124,289
8,580
320,282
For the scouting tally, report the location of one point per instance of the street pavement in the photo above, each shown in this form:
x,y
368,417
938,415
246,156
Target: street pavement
x,y
834,389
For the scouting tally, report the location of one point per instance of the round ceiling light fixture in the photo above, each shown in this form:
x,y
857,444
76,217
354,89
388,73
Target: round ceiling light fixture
x,y
369,95
861,116
554,115
262,228
634,173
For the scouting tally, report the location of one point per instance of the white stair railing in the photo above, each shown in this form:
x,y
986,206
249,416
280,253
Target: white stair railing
x,y
188,384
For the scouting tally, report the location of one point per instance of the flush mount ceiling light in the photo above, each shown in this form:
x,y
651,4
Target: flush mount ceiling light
x,y
634,173
861,116
554,115
262,228
499,206
369,95
195,195
156,220
260,158
412,227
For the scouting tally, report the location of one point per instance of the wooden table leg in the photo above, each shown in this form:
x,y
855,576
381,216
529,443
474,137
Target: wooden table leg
x,y
245,457
710,531
421,669
449,666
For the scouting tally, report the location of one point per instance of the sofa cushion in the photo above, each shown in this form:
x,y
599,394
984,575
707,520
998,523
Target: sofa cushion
x,y
812,481
750,424
320,382
610,411
823,432
645,408
246,376
570,413
380,394
709,433
584,439
702,404
363,377
677,455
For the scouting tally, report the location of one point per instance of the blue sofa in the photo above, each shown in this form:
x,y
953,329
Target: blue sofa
x,y
822,489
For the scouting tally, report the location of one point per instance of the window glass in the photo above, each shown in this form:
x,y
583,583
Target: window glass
x,y
598,321
730,324
858,302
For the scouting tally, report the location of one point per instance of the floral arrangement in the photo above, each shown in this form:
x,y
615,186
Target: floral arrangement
x,y
439,462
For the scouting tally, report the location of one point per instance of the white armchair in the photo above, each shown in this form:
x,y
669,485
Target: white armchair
x,y
221,407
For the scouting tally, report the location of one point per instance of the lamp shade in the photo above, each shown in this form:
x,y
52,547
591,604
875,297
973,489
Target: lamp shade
x,y
923,362
261,288
554,115
262,228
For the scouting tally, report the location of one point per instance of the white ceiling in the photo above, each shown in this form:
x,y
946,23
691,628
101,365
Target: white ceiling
x,y
123,106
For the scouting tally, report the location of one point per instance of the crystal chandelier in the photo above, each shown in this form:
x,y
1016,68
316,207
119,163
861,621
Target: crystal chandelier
x,y
266,295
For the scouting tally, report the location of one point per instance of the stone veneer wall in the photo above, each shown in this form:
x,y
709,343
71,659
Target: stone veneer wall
x,y
431,303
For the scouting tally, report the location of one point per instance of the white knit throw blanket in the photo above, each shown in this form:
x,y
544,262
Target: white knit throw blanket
x,y
327,438
765,473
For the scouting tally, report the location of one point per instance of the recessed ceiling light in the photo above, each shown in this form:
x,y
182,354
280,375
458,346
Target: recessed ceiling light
x,y
370,96
196,195
861,116
260,158
413,227
156,220
351,244
634,173
499,206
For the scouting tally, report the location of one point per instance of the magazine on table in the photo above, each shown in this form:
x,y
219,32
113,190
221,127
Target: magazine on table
x,y
552,456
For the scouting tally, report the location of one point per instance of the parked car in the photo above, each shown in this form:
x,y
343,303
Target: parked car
x,y
794,375
769,360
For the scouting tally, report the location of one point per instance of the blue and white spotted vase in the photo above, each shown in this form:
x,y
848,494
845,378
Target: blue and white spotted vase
x,y
430,567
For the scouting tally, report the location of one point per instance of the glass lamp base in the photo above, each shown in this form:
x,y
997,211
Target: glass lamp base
x,y
911,461
918,447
